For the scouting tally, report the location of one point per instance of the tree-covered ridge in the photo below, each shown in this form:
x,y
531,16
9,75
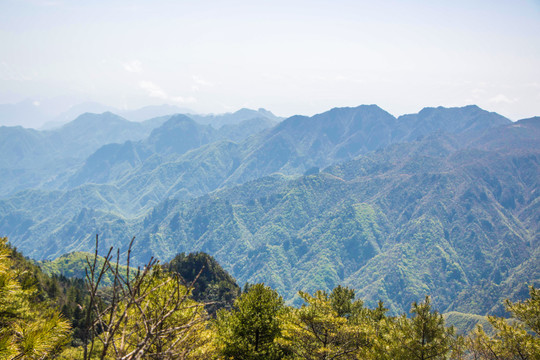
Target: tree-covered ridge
x,y
212,285
143,173
151,314
37,159
53,159
73,265
469,193
133,177
455,224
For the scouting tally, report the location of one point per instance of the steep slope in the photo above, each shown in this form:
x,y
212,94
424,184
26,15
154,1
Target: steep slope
x,y
292,147
130,178
522,134
108,162
41,221
161,166
244,129
400,229
126,162
34,158
299,143
88,132
178,135
453,215
47,159
413,219
469,120
20,146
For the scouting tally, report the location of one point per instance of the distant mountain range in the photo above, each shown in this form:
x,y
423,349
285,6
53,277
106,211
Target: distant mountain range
x,y
443,202
48,116
43,159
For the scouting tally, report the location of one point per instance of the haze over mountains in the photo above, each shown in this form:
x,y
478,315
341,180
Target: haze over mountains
x,y
54,113
41,158
442,202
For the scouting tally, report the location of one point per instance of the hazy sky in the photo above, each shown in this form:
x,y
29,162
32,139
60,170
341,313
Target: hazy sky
x,y
291,57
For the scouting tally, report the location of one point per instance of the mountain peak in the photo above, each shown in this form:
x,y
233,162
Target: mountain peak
x,y
178,119
93,117
176,124
152,111
534,121
268,114
452,120
363,109
179,134
244,111
467,109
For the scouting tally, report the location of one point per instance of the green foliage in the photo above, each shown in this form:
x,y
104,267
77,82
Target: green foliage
x,y
328,327
527,311
518,338
453,214
28,329
343,303
73,265
251,329
69,295
465,323
147,314
395,232
211,283
178,323
155,317
424,336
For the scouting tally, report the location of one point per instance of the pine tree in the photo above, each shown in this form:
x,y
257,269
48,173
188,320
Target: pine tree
x,y
251,328
28,329
148,315
422,337
329,327
518,338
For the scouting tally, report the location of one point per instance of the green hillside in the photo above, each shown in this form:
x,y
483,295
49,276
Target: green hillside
x,y
437,222
73,265
453,214
466,323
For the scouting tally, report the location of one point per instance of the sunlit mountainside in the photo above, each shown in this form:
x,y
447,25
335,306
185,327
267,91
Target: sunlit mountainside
x,y
442,202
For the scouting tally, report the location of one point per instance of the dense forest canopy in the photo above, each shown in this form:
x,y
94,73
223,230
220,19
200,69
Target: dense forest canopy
x,y
351,229
152,314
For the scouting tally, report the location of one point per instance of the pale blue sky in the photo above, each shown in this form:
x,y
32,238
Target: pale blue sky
x,y
291,57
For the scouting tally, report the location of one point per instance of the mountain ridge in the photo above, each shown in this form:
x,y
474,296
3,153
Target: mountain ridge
x,y
386,189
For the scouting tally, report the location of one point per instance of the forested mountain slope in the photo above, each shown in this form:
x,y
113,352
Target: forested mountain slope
x,y
46,159
394,226
182,159
443,202
166,144
32,158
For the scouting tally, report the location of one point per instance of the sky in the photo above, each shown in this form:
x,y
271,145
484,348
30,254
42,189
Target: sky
x,y
290,57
